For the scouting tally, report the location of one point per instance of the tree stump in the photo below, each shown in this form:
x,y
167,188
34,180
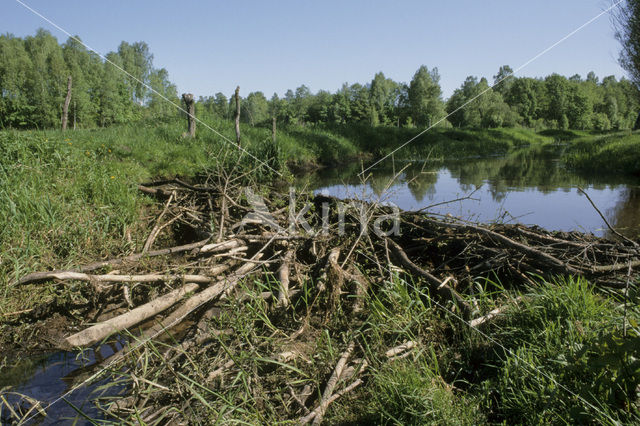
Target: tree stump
x,y
191,114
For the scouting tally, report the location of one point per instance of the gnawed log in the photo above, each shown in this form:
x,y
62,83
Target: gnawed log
x,y
400,349
492,314
46,275
98,332
110,278
221,246
283,275
194,302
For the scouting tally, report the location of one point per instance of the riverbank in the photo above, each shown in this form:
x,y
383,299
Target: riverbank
x,y
608,154
292,326
70,199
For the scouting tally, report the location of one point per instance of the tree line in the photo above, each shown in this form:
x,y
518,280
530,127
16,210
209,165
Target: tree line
x,y
33,83
34,72
552,102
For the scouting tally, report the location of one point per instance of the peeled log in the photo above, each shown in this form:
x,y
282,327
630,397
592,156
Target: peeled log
x,y
283,274
222,246
107,278
99,331
197,300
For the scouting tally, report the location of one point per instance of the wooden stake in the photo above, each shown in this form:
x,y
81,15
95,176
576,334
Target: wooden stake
x,y
191,114
237,96
273,129
65,108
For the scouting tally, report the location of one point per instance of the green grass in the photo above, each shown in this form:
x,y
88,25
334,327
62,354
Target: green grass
x,y
560,356
613,153
69,198
437,142
557,357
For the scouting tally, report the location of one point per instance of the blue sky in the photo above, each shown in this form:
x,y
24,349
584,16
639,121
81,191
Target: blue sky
x,y
272,46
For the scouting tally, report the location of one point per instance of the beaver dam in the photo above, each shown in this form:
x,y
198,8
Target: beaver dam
x,y
256,305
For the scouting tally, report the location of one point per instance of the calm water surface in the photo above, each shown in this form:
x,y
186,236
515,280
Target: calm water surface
x,y
532,187
49,377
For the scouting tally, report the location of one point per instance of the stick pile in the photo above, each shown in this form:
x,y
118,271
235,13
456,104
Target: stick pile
x,y
229,234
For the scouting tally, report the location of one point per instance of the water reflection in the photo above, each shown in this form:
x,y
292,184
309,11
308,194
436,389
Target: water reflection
x,y
50,377
530,186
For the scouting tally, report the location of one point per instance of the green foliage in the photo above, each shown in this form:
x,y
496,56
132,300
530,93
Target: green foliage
x,y
410,392
34,71
477,105
618,152
33,83
627,23
424,94
566,359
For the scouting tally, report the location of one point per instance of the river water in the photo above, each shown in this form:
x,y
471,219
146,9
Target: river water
x,y
530,186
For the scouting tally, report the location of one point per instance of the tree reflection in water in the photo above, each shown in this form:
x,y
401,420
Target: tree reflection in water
x,y
531,185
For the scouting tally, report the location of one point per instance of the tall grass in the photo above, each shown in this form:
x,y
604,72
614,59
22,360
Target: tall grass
x,y
66,198
552,359
614,153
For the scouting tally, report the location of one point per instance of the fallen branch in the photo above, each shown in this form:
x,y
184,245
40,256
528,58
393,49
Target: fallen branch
x,y
194,302
46,275
615,266
435,285
116,324
605,219
492,314
108,278
317,414
157,192
221,246
400,349
156,229
551,261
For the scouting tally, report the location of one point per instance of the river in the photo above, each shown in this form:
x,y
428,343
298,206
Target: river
x,y
529,186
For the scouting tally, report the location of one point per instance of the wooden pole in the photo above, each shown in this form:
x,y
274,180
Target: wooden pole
x,y
191,113
65,107
237,96
273,129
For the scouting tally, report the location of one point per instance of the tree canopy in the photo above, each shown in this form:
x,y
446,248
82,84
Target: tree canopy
x,y
34,72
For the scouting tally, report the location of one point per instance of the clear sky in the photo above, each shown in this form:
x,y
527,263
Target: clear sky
x,y
272,46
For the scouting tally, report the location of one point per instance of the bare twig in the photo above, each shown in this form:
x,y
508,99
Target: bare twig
x,y
582,191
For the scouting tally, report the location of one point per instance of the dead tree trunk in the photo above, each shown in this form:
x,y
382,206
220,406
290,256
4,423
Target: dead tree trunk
x,y
238,115
273,129
191,114
65,107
